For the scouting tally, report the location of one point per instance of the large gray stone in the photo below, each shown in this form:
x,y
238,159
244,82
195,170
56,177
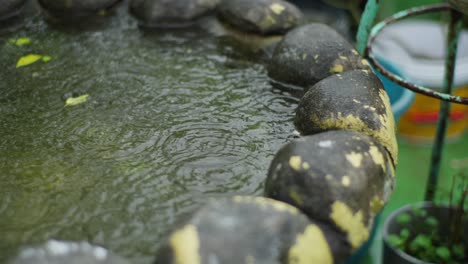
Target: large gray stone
x,y
355,101
342,178
61,252
311,53
75,8
252,230
265,17
9,8
170,12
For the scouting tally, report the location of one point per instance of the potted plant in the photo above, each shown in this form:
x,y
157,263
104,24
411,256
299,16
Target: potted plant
x,y
430,232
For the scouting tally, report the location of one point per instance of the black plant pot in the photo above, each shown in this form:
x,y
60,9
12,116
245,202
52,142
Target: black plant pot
x,y
393,255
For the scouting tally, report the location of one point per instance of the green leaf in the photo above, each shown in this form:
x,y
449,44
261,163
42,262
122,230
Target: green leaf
x,y
403,219
432,221
443,253
405,233
27,60
22,41
76,100
419,212
395,241
421,242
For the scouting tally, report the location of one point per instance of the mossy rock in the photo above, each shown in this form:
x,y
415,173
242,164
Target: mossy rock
x,y
252,230
167,13
62,252
265,17
342,178
356,101
69,9
310,53
9,8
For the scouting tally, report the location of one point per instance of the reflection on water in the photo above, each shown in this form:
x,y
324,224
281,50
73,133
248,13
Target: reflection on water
x,y
171,121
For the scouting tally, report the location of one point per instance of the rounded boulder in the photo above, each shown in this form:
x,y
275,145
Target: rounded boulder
x,y
76,8
310,53
155,13
252,230
265,17
355,101
342,178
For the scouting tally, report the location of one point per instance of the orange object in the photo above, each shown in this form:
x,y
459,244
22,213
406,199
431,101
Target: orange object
x,y
419,124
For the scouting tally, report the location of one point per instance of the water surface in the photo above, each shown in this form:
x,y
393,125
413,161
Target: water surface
x,y
173,119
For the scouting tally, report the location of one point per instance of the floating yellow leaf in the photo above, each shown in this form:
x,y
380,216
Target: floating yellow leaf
x,y
28,59
46,58
22,41
76,100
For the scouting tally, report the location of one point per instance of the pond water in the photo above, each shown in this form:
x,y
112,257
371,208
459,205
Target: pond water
x,y
172,119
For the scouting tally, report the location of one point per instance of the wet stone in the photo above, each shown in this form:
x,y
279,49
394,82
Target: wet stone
x,y
61,252
266,17
342,178
170,12
69,9
252,230
354,101
10,8
310,53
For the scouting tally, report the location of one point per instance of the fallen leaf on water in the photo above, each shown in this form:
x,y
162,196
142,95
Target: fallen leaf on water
x,y
22,41
76,100
27,60
46,58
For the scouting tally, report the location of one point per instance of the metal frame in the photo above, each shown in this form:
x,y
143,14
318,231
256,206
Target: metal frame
x,y
366,36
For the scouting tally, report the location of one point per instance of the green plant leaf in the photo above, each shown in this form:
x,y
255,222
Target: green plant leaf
x,y
395,241
76,100
27,60
419,212
405,233
403,219
431,221
421,242
443,253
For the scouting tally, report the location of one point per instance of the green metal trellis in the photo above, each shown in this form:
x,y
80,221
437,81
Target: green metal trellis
x,y
367,32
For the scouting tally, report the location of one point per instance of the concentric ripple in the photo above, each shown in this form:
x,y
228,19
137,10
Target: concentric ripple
x,y
169,123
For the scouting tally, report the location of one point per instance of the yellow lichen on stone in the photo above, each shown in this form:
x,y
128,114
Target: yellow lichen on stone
x,y
249,259
296,196
185,245
305,166
376,204
385,135
355,159
337,68
352,224
295,162
277,8
389,122
377,156
346,181
311,247
365,62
